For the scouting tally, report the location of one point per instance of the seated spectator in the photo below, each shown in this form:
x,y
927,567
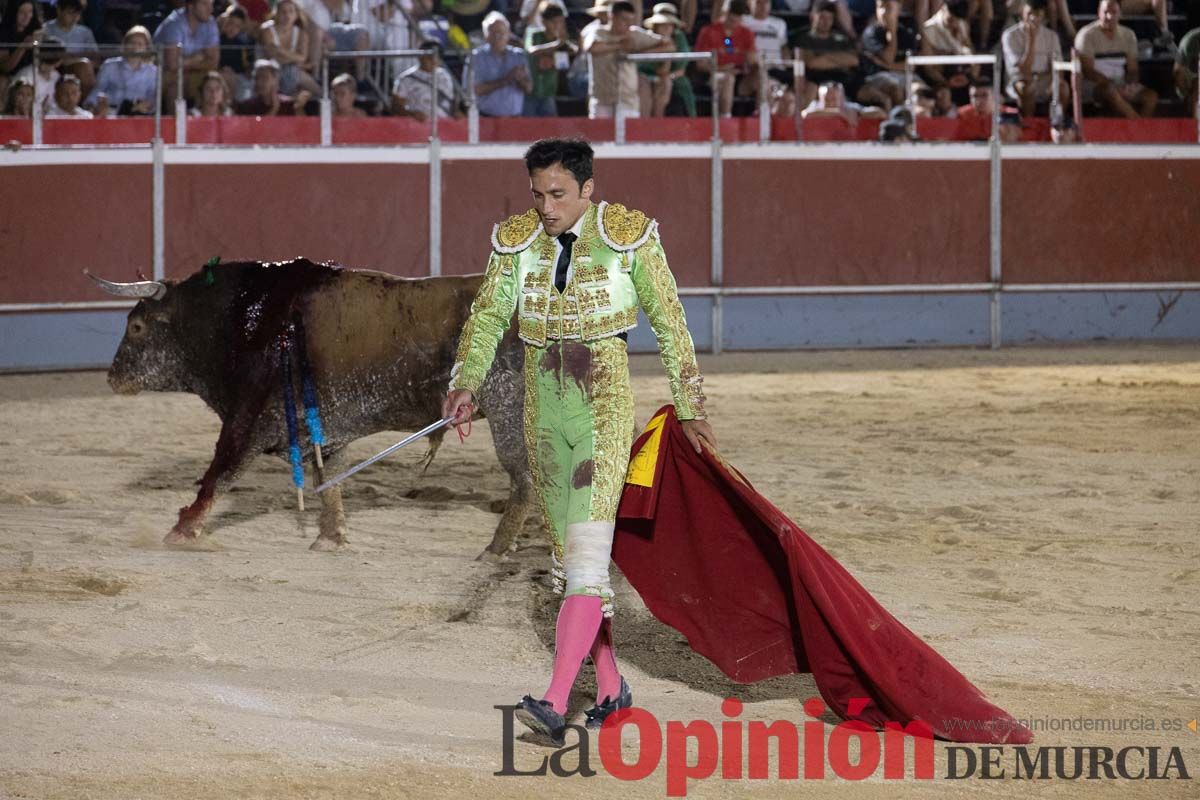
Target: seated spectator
x,y
343,91
500,71
128,84
332,29
237,50
844,12
1108,52
922,101
945,34
193,32
733,43
1011,129
285,41
1185,68
658,81
829,56
267,100
66,99
885,43
1030,50
831,102
50,53
599,12
21,21
19,100
412,94
899,127
770,32
82,50
943,104
550,51
214,97
975,119
783,101
613,84
1058,16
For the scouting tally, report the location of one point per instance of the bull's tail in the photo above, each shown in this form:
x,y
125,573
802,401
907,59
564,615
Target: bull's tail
x,y
435,441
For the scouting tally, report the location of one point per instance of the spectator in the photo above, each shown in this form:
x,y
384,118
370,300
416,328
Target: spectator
x,y
770,33
899,127
975,119
531,13
22,20
685,10
922,100
412,94
50,53
19,101
783,101
829,56
831,102
237,51
733,43
500,71
267,101
1185,68
66,99
613,86
387,21
844,12
285,41
885,43
600,14
82,50
1030,50
331,29
128,84
343,92
1011,129
943,104
658,81
550,52
1108,52
945,34
193,31
214,97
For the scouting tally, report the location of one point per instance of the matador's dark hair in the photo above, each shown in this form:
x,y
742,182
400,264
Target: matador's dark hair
x,y
575,155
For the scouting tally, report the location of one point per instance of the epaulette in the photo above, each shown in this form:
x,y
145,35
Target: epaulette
x,y
517,232
624,228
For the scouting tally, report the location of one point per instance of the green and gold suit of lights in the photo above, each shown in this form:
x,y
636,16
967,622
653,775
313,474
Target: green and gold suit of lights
x,y
578,403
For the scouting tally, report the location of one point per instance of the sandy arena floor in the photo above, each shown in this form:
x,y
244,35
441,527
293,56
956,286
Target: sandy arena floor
x,y
1031,513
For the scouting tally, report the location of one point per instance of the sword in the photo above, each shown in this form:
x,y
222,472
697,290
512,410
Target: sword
x,y
428,429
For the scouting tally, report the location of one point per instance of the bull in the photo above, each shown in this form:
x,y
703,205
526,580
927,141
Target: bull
x,y
380,350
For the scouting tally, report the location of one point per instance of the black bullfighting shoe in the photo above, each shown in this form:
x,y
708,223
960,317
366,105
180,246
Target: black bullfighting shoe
x,y
599,712
540,717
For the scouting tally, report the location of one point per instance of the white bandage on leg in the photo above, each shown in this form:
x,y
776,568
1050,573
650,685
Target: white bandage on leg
x,y
586,554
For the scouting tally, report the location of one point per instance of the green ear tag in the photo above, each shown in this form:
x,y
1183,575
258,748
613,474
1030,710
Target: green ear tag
x,y
209,279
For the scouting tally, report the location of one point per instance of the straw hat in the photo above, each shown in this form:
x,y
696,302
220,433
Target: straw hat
x,y
601,7
661,18
668,9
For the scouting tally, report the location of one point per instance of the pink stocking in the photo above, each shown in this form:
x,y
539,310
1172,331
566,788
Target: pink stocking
x,y
608,677
578,621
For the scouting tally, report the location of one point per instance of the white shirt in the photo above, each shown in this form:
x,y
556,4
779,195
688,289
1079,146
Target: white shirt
x,y
770,35
576,229
43,88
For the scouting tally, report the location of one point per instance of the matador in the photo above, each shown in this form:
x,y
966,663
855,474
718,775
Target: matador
x,y
575,273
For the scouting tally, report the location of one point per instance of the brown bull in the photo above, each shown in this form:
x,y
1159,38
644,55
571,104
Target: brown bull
x,y
380,349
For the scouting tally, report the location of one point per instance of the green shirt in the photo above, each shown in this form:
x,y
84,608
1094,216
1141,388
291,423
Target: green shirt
x,y
1189,51
681,46
545,81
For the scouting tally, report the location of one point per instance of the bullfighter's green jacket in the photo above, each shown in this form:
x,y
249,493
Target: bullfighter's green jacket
x,y
618,264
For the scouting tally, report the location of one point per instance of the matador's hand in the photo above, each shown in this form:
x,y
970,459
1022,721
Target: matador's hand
x,y
698,429
459,404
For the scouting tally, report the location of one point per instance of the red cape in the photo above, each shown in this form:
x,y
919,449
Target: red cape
x,y
752,593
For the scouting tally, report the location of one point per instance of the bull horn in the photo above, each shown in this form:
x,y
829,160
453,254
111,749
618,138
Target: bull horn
x,y
152,289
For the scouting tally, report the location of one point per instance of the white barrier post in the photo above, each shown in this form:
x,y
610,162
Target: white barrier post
x,y
326,104
472,107
38,111
180,100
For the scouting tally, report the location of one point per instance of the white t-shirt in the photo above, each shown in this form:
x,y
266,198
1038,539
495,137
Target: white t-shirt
x,y
52,110
770,35
527,7
43,88
415,86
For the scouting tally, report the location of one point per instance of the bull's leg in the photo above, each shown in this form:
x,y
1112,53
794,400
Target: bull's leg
x,y
333,517
520,503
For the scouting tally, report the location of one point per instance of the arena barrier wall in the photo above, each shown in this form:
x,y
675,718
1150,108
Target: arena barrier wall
x,y
773,246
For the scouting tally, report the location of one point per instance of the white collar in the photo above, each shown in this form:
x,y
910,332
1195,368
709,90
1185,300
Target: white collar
x,y
577,228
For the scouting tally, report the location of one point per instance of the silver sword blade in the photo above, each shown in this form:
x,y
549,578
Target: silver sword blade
x,y
428,429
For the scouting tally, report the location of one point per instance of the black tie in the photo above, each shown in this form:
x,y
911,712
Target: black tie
x,y
564,260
